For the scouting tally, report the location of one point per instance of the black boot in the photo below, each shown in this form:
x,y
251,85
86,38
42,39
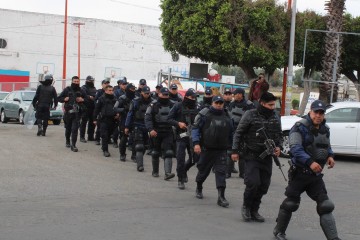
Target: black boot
x,y
106,153
115,144
74,148
39,132
123,157
155,166
168,167
255,216
82,139
282,223
67,144
246,213
222,202
181,184
327,223
198,192
140,160
44,131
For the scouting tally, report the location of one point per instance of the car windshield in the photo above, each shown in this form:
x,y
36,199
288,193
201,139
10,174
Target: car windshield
x,y
3,95
27,96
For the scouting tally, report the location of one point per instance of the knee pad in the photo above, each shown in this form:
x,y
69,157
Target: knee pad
x,y
290,205
324,207
169,153
155,153
139,147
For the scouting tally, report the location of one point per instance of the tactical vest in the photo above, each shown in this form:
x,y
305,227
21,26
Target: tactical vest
x,y
216,130
141,110
107,109
46,95
125,103
161,116
319,142
236,113
69,105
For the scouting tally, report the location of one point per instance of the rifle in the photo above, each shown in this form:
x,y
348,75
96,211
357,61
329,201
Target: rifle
x,y
270,149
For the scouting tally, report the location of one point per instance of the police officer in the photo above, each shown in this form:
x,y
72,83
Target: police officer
x,y
207,99
237,108
142,83
99,93
228,97
73,97
212,135
174,95
310,150
155,94
44,98
182,116
160,130
104,108
135,121
87,116
122,83
257,170
122,106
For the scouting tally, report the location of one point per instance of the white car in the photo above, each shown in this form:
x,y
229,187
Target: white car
x,y
343,118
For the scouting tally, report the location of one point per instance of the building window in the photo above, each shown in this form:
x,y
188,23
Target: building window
x,y
3,43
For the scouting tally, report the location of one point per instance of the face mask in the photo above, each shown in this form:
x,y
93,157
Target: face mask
x,y
265,111
190,103
47,82
90,84
129,94
75,87
110,96
163,101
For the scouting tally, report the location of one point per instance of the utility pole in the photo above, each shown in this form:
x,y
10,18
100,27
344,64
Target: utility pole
x,y
64,56
78,24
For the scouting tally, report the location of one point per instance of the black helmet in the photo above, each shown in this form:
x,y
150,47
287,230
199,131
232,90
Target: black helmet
x,y
122,80
90,78
48,77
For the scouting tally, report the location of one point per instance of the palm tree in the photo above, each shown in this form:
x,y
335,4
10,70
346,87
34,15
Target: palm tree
x,y
334,23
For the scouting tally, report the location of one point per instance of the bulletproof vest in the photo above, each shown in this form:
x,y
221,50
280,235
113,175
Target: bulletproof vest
x,y
319,142
188,115
215,132
90,91
107,109
46,95
72,98
255,141
141,110
236,113
161,116
125,103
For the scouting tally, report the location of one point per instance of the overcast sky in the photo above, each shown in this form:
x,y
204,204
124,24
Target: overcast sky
x,y
135,11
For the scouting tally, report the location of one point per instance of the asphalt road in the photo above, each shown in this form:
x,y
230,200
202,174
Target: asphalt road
x,y
49,192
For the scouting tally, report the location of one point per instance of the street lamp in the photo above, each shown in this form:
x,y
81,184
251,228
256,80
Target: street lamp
x,y
78,24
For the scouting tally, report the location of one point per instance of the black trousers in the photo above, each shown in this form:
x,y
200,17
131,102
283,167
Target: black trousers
x,y
208,160
87,119
257,180
107,127
42,115
72,121
163,141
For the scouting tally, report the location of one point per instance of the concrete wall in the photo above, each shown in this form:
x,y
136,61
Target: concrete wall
x,y
35,42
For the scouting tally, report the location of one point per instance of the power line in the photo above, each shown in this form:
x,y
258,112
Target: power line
x,y
135,5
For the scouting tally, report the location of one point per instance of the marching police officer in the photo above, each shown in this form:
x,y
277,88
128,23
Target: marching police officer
x,y
207,99
99,93
182,116
142,83
160,130
257,170
73,97
135,121
118,92
155,94
228,97
237,108
310,150
44,98
104,108
173,93
87,117
122,106
212,135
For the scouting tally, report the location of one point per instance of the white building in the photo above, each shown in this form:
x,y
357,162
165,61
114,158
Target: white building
x,y
109,49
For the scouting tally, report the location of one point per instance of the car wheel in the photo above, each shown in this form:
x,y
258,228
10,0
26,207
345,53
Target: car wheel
x,y
4,119
21,117
56,121
285,152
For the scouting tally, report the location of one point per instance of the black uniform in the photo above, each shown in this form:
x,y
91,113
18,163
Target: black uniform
x,y
156,118
122,106
175,97
257,171
118,93
44,98
307,145
135,121
104,108
73,111
185,112
87,117
237,110
206,102
99,93
213,131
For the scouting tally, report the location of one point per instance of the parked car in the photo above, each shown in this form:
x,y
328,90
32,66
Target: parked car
x,y
343,118
16,103
3,95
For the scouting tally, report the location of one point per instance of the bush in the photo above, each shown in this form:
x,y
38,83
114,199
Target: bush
x,y
295,104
